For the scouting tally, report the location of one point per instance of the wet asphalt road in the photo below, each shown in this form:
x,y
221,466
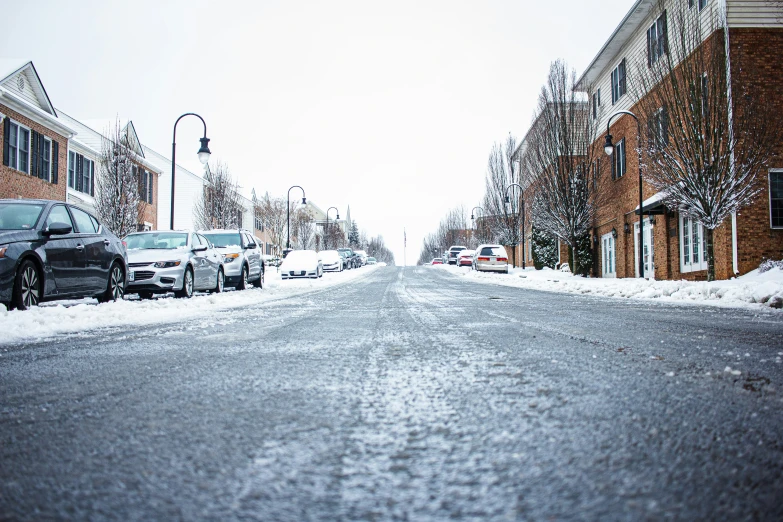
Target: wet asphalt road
x,y
405,395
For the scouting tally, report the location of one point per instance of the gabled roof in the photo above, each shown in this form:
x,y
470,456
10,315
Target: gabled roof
x,y
21,78
616,42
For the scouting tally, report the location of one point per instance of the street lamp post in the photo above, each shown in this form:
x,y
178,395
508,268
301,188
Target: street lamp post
x,y
472,217
288,213
326,230
609,149
203,156
508,200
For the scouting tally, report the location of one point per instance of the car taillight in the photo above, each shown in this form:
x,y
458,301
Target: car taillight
x,y
124,244
483,259
504,259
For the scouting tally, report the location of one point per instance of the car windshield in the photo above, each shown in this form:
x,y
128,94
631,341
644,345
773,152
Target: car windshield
x,y
224,240
157,240
19,216
493,251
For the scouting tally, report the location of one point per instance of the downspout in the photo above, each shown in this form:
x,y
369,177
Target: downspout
x,y
725,15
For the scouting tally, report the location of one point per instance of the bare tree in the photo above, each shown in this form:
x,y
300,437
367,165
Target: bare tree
x,y
333,236
376,247
118,199
303,229
705,143
220,205
272,213
504,219
557,160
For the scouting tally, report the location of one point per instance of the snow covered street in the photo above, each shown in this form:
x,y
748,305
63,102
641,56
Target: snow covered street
x,y
406,394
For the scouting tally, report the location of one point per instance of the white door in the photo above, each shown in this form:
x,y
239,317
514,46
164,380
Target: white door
x,y
649,259
608,267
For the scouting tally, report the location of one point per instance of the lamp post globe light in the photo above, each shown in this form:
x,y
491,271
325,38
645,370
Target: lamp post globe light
x,y
326,230
609,149
522,208
203,156
288,215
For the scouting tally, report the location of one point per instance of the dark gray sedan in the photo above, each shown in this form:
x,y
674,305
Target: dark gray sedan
x,y
54,250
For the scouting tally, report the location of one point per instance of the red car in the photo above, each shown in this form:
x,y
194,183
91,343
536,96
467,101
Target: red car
x,y
437,261
465,258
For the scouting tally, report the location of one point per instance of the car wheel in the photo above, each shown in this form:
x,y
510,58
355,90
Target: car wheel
x,y
187,285
27,287
145,294
115,288
242,284
259,283
221,281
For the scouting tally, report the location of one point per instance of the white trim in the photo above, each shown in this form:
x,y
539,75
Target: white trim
x,y
51,153
769,196
649,228
16,147
613,250
34,113
702,263
734,248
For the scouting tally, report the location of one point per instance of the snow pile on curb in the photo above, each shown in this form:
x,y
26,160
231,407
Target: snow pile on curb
x,y
753,289
73,317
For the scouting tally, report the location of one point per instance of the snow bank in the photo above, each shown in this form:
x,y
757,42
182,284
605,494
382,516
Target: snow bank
x,y
72,317
751,290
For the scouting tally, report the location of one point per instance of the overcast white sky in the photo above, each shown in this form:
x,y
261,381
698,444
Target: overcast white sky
x,y
389,107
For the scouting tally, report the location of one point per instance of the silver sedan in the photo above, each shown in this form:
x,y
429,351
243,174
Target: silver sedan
x,y
172,261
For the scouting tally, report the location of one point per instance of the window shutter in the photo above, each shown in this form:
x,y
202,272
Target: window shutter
x,y
92,179
79,173
665,125
614,163
6,138
649,48
34,142
150,184
622,78
143,184
55,161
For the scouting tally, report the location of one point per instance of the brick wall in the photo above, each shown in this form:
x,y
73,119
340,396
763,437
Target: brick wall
x,y
14,184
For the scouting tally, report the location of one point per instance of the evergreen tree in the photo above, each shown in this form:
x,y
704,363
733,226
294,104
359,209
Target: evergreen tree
x,y
353,236
584,255
544,249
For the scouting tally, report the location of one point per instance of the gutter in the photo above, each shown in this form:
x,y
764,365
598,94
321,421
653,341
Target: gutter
x,y
725,13
36,114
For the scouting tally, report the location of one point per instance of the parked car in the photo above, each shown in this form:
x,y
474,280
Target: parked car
x,y
54,250
172,261
465,258
345,253
242,263
351,257
453,252
372,261
362,255
331,260
437,261
490,258
301,263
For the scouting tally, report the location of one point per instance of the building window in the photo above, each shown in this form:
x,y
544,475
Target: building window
x,y
658,129
693,246
618,82
776,198
657,40
596,103
618,160
608,267
81,173
702,4
18,147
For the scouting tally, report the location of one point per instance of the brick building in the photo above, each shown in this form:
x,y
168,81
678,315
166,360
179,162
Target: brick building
x,y
35,140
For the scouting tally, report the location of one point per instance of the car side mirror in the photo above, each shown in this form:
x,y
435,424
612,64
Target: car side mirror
x,y
57,229
200,249
251,245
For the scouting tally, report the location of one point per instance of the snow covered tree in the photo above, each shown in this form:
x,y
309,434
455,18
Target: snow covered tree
x,y
303,230
272,213
220,205
354,240
118,199
706,144
557,160
504,219
543,248
376,247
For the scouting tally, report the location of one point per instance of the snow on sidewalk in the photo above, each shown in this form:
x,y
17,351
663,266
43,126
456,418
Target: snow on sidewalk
x,y
753,290
74,317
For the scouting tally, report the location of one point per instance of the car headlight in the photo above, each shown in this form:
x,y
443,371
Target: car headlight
x,y
167,264
227,258
3,249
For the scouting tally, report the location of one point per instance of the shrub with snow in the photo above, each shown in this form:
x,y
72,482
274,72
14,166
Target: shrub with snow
x,y
769,264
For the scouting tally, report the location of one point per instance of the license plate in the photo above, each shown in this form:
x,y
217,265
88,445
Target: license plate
x,y
131,275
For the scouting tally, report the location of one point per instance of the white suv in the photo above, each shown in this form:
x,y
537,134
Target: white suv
x,y
242,263
454,254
